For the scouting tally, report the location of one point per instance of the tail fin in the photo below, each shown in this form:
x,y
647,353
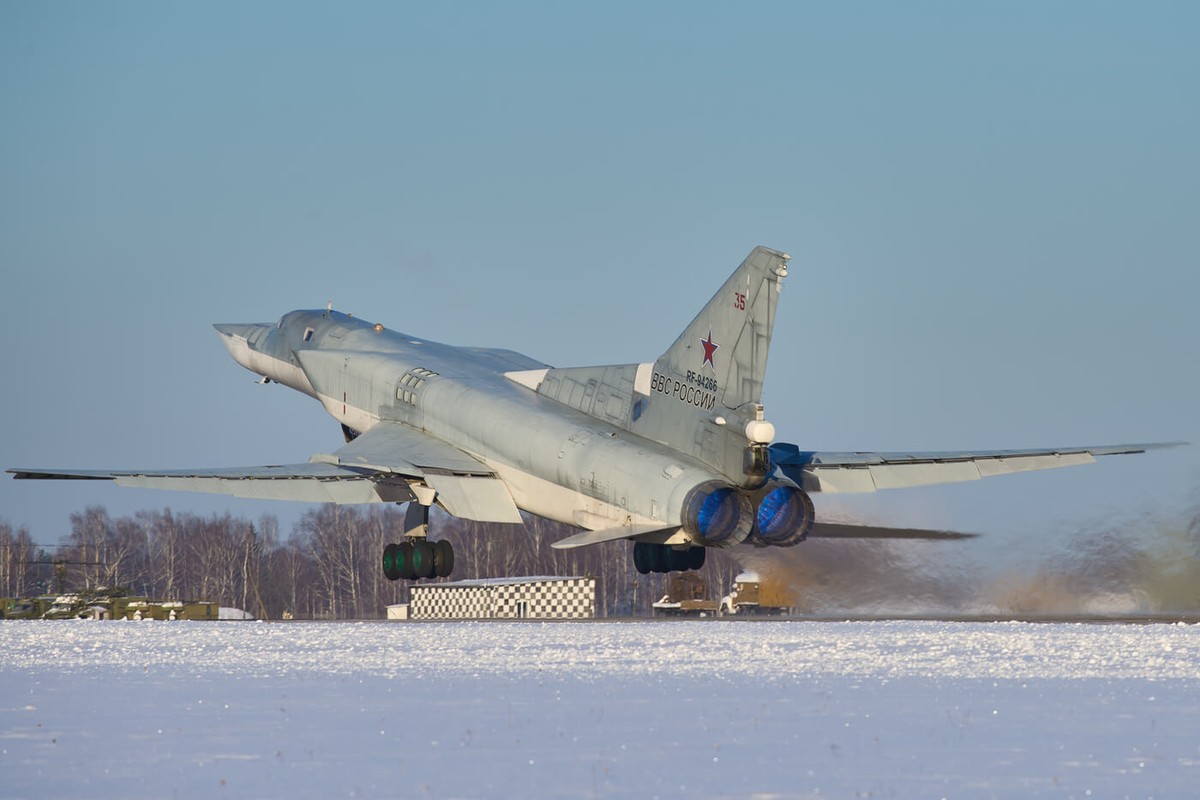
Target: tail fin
x,y
724,350
701,394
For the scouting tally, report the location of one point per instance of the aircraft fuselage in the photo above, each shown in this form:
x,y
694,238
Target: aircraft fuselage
x,y
674,455
557,462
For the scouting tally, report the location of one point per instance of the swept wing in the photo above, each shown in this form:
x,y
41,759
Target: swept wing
x,y
380,466
314,483
817,471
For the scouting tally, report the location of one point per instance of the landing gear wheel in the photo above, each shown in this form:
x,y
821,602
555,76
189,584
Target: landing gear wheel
x,y
422,559
648,557
404,561
390,569
641,557
443,558
675,560
659,557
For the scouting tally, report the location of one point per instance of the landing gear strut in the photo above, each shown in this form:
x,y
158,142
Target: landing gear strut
x,y
417,557
648,557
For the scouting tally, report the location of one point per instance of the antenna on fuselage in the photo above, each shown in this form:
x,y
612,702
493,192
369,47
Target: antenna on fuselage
x,y
328,309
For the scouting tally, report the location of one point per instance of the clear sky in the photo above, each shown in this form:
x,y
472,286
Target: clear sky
x,y
993,211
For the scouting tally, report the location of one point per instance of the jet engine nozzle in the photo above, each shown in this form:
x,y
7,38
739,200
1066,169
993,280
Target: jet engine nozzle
x,y
716,514
784,516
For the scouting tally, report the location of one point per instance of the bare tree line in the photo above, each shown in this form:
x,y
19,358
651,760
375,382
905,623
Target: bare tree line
x,y
328,567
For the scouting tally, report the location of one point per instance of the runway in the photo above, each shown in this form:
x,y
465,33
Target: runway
x,y
1062,619
709,708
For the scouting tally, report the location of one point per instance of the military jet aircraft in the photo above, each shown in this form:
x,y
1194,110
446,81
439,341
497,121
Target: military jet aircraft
x,y
675,455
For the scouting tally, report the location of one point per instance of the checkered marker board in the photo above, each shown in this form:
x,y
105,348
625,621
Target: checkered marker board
x,y
559,598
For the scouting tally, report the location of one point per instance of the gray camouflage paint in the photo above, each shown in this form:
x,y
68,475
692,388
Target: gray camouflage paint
x,y
615,450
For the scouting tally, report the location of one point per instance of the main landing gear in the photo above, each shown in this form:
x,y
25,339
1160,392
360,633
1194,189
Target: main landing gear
x,y
417,557
649,558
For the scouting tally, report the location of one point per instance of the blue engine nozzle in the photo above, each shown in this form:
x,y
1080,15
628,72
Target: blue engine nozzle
x,y
784,516
716,514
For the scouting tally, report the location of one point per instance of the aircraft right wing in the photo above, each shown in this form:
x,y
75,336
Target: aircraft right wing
x,y
865,472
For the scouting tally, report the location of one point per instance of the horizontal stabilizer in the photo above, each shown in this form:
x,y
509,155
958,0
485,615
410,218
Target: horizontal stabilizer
x,y
611,535
837,530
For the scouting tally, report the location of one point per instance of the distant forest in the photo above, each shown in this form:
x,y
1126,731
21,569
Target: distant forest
x,y
327,567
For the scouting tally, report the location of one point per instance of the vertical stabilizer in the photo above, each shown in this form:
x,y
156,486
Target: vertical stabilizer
x,y
706,388
703,395
724,350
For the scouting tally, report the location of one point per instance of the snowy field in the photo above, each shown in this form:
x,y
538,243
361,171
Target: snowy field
x,y
642,709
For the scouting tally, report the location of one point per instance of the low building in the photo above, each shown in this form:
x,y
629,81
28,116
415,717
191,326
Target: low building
x,y
505,598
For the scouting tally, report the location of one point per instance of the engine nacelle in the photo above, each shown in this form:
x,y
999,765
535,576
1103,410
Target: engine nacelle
x,y
784,516
716,514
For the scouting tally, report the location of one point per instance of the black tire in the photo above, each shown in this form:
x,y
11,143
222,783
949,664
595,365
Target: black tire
x,y
673,560
641,558
443,558
658,557
389,562
422,559
684,560
404,561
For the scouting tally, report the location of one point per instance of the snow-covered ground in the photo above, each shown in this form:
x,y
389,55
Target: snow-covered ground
x,y
641,709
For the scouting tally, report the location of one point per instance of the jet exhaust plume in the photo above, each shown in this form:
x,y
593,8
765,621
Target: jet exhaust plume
x,y
1147,565
1144,565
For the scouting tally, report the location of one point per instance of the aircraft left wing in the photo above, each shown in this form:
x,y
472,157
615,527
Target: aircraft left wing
x,y
313,483
866,472
380,466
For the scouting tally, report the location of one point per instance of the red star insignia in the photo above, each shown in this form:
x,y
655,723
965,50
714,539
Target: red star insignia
x,y
710,348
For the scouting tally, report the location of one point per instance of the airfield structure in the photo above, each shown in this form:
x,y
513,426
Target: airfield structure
x,y
688,596
113,605
503,598
754,595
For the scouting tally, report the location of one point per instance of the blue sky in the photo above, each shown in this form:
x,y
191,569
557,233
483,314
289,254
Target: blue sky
x,y
992,210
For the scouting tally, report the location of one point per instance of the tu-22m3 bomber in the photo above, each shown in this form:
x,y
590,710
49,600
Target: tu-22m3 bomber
x,y
674,455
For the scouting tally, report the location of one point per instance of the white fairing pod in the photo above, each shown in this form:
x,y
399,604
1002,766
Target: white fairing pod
x,y
717,515
784,516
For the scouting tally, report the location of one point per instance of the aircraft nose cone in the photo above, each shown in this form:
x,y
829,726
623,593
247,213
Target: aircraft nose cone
x,y
237,340
229,329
